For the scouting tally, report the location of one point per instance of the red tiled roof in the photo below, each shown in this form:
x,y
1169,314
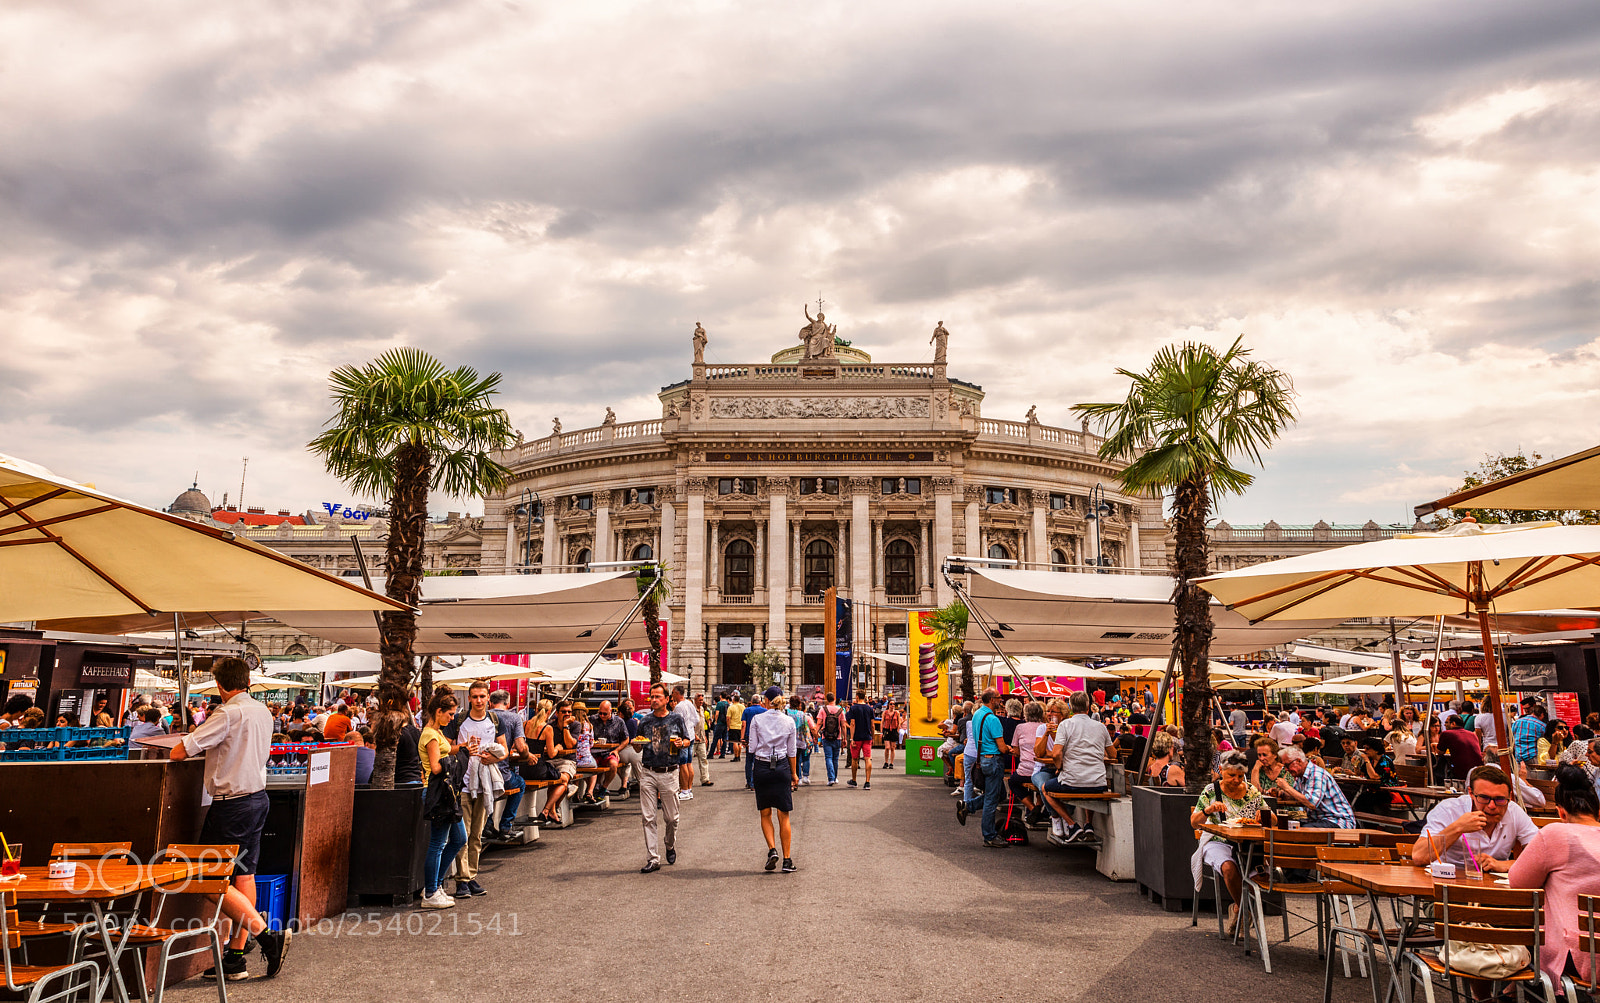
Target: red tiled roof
x,y
256,518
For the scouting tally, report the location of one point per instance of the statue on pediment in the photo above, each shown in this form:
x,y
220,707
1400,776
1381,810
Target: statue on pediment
x,y
818,335
699,343
939,341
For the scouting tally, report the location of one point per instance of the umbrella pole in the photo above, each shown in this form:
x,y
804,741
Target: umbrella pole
x,y
1161,706
1400,693
183,677
1491,669
1433,688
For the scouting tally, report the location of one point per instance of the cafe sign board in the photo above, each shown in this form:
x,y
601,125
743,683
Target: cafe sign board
x,y
100,671
1457,668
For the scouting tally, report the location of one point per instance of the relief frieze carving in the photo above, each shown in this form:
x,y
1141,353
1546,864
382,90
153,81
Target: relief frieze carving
x,y
819,407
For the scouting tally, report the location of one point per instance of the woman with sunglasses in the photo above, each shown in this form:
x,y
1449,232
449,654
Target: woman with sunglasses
x,y
1483,825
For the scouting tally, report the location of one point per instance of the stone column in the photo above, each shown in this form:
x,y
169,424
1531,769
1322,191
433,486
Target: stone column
x,y
777,565
943,535
714,580
1077,549
669,529
797,574
840,548
974,530
877,553
759,578
513,542
1040,536
602,527
1134,558
923,571
860,540
692,654
552,556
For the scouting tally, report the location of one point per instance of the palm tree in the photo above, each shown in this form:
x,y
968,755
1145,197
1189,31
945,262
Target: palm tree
x,y
406,426
948,626
656,591
1182,424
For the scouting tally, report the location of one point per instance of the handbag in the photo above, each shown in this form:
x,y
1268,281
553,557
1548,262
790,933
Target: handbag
x,y
538,772
1486,961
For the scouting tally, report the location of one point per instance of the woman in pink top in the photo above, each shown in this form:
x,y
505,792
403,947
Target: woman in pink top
x,y
1564,860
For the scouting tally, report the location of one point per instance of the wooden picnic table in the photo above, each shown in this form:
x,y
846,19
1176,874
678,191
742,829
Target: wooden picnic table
x,y
1428,793
100,883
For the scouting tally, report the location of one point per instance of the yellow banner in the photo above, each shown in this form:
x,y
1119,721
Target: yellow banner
x,y
930,684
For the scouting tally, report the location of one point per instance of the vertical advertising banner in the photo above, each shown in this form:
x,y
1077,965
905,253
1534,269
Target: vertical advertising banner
x,y
929,687
843,635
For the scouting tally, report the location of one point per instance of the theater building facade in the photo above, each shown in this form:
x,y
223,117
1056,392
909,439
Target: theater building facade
x,y
764,484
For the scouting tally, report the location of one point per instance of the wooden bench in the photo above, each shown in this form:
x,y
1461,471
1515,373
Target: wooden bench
x,y
1389,823
1114,826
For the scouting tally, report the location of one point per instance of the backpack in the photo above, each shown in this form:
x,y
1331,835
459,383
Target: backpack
x,y
832,724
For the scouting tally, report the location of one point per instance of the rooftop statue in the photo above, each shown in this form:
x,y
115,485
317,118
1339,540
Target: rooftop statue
x,y
818,335
699,343
940,339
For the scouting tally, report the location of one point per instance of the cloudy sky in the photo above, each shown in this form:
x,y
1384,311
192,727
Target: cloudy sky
x,y
208,206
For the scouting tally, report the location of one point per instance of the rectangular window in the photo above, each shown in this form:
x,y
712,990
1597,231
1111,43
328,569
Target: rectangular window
x,y
736,486
1000,496
890,485
1058,501
583,503
913,485
819,485
811,661
725,485
646,496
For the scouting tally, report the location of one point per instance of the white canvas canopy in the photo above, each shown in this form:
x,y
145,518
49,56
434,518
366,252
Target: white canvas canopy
x,y
1065,614
260,682
1036,665
501,614
614,670
1571,482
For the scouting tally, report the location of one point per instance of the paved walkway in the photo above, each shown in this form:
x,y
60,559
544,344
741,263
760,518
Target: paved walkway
x,y
892,901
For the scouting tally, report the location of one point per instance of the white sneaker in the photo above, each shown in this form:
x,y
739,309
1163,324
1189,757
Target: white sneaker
x,y
805,781
1055,827
684,795
439,900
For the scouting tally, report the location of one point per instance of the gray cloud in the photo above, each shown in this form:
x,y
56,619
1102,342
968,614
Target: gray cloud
x,y
203,215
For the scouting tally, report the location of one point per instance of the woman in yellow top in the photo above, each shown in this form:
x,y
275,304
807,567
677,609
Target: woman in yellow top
x,y
1554,741
446,838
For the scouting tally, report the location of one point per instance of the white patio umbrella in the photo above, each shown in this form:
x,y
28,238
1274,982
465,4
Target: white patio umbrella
x,y
260,682
483,668
1571,482
1468,567
1038,665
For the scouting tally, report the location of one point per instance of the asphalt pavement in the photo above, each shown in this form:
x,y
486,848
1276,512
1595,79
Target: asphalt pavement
x,y
892,901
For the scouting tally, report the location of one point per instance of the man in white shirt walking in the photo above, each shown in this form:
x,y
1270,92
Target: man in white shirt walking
x,y
773,744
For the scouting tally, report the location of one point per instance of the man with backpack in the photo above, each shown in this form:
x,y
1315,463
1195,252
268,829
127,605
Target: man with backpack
x,y
994,757
831,724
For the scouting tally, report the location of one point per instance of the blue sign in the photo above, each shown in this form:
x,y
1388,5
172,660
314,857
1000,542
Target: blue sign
x,y
842,653
360,513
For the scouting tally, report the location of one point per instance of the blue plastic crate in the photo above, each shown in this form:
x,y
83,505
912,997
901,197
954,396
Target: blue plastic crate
x,y
95,752
272,900
93,735
31,755
13,735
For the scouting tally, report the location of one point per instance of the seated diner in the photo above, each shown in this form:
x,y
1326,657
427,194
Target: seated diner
x,y
1484,822
1230,797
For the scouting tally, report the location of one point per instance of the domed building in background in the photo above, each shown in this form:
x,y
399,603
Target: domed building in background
x,y
192,504
763,484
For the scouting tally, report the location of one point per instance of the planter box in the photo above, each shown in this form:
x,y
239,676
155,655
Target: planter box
x,y
1163,842
388,841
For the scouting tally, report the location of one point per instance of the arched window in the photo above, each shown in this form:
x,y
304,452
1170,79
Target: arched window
x,y
1058,560
582,560
643,552
819,567
900,568
998,553
738,568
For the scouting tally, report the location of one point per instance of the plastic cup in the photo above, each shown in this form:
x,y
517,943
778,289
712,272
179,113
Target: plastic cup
x,y
14,864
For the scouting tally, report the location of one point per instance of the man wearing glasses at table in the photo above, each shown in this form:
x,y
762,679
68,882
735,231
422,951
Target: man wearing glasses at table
x,y
1495,827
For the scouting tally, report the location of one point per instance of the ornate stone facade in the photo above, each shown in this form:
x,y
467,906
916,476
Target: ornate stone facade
x,y
762,484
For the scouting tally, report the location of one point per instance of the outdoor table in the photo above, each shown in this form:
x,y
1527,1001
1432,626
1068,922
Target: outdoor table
x,y
1396,881
98,884
1249,836
1428,793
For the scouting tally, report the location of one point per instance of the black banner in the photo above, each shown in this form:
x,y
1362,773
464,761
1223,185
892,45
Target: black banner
x,y
797,456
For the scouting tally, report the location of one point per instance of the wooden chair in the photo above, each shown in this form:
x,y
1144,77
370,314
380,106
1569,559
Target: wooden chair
x,y
1285,850
1339,933
39,924
79,977
216,874
1414,776
1588,938
1477,914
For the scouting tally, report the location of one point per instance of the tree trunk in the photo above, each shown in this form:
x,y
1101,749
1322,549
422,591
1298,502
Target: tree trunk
x,y
969,683
1191,505
651,611
425,679
387,729
408,526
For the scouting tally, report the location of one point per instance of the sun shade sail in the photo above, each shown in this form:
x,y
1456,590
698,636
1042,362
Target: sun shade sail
x,y
70,551
1572,482
501,614
1066,614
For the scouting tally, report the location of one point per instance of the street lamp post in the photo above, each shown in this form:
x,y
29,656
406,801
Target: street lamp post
x,y
1099,508
531,510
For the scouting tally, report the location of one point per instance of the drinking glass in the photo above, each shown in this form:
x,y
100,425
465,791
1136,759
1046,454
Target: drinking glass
x,y
13,865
